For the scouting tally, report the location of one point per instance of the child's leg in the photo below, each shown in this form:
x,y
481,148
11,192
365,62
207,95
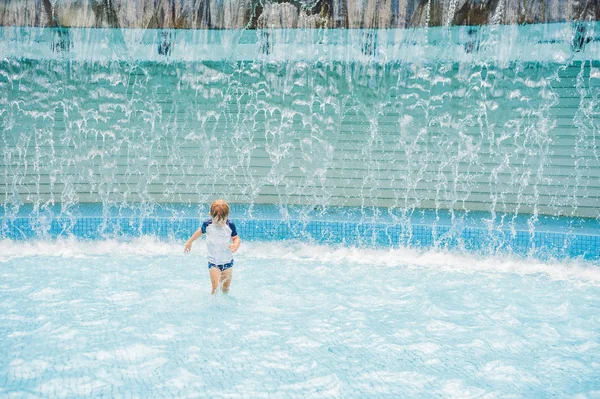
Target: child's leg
x,y
215,276
226,279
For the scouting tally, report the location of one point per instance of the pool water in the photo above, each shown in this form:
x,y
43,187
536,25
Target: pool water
x,y
136,319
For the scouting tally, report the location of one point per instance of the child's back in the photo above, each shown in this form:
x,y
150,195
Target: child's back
x,y
218,239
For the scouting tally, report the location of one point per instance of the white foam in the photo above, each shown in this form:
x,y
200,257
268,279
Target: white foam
x,y
74,248
446,260
46,294
442,260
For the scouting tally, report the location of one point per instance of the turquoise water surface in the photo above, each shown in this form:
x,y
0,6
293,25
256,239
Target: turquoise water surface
x,y
135,319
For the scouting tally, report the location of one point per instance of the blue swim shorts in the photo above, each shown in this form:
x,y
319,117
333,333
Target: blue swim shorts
x,y
221,267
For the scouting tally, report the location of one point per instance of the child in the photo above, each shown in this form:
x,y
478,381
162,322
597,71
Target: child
x,y
219,234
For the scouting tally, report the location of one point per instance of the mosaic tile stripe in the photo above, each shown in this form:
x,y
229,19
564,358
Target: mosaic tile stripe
x,y
480,240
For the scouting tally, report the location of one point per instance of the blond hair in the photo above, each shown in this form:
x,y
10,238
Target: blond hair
x,y
219,210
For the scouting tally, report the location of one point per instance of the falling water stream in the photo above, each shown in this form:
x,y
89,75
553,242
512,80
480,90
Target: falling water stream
x,y
370,123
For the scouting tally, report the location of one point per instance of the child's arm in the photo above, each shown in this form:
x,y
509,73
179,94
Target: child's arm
x,y
195,236
236,243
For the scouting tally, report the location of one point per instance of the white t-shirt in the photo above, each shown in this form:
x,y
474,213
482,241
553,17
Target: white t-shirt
x,y
217,241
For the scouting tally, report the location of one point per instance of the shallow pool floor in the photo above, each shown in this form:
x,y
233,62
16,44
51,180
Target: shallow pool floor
x,y
118,324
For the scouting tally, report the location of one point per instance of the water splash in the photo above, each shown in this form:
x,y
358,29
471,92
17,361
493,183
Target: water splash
x,y
575,270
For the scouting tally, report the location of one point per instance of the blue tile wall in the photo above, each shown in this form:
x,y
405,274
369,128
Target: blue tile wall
x,y
540,244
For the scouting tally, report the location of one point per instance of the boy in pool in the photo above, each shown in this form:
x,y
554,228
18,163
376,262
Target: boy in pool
x,y
222,241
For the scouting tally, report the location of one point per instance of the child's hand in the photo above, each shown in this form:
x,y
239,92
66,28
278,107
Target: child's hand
x,y
234,247
188,247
